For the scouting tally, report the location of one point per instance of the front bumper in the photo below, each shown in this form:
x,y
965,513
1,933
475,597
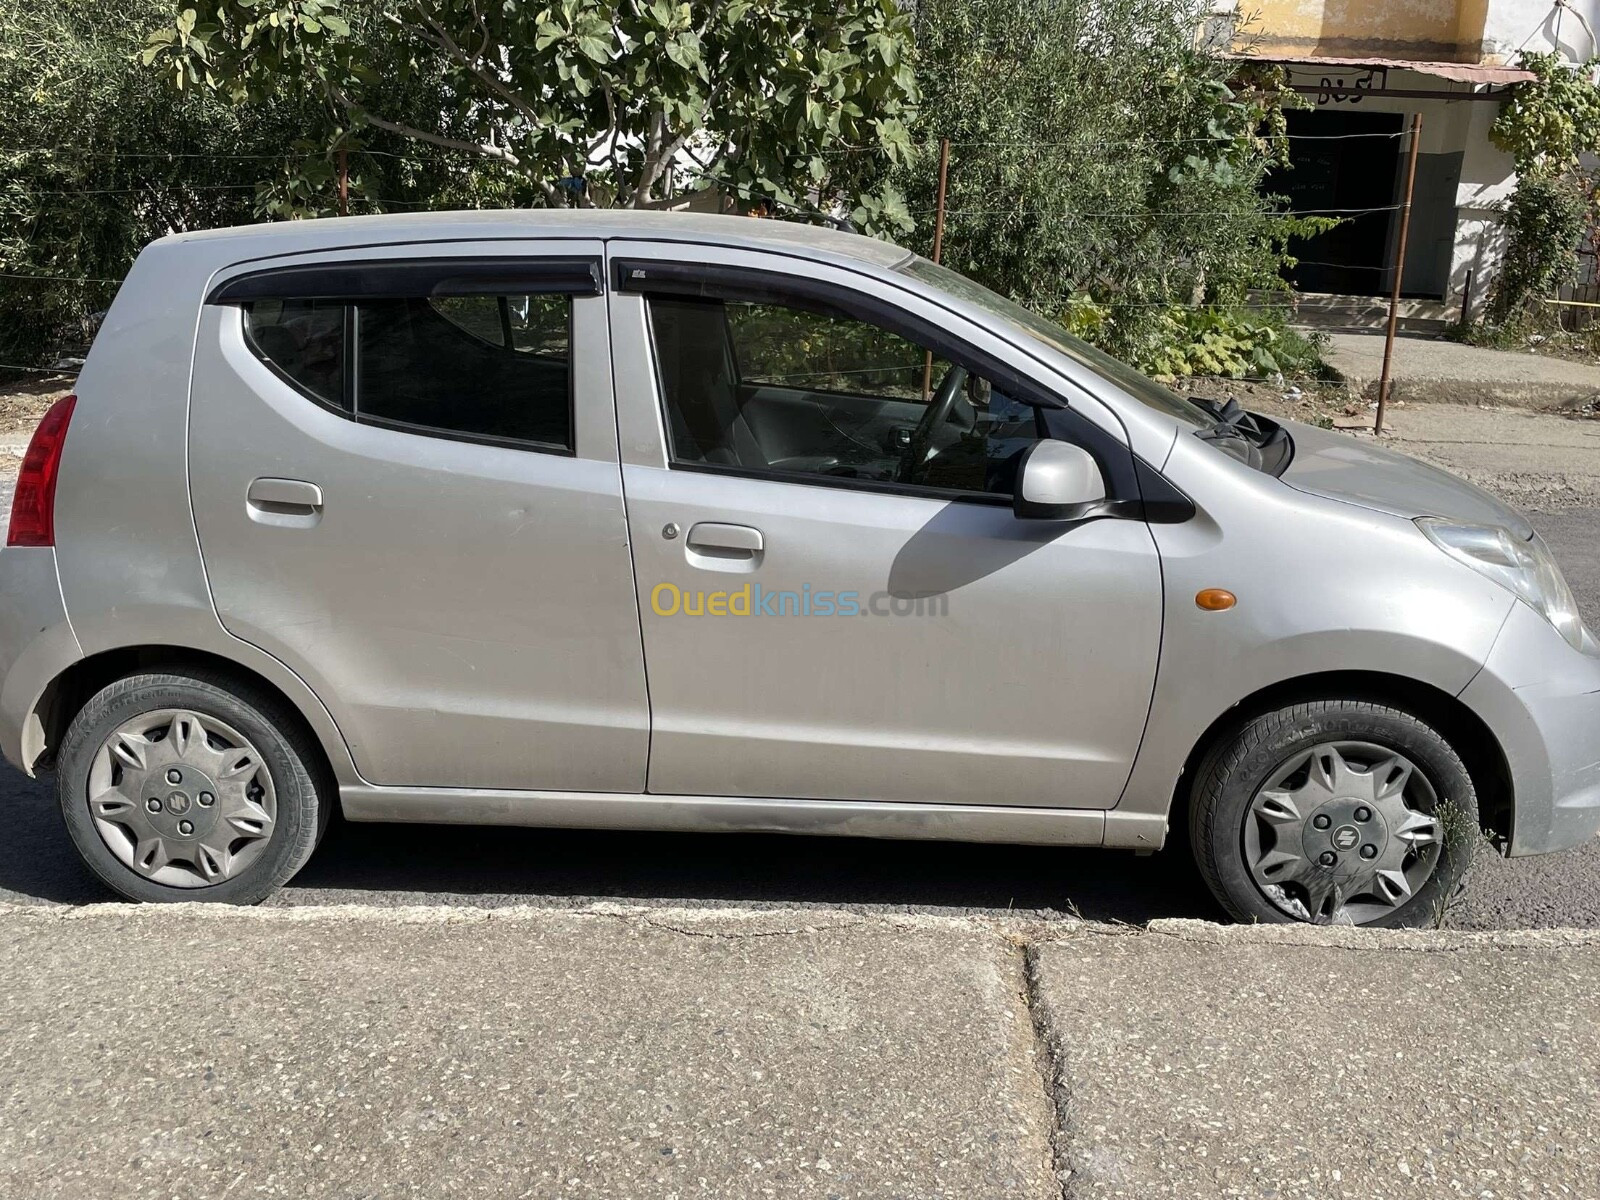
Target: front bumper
x,y
1541,698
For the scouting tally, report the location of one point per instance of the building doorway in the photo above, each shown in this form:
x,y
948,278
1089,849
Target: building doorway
x,y
1340,161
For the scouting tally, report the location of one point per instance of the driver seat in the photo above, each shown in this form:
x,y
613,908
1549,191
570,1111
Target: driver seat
x,y
701,385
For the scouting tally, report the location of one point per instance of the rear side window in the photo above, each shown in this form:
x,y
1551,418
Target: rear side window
x,y
497,367
475,366
304,341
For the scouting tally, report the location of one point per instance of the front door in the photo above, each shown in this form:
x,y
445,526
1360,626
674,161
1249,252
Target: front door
x,y
405,484
837,601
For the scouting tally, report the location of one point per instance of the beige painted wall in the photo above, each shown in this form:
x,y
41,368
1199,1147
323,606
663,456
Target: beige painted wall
x,y
1425,30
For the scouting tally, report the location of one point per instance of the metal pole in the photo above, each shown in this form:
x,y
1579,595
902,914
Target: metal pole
x,y
1466,301
938,246
344,182
1399,269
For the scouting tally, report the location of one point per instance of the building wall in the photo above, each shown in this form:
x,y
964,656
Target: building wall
x,y
1461,178
1455,142
1514,25
1465,31
1424,30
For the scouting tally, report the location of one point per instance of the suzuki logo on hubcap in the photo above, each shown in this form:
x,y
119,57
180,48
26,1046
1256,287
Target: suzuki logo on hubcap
x,y
1345,837
178,803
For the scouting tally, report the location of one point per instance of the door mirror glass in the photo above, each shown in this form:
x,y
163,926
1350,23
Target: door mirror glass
x,y
1057,481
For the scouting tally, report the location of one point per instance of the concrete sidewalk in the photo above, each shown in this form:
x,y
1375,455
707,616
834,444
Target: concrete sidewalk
x,y
1436,370
454,1053
1539,461
1198,1060
200,1052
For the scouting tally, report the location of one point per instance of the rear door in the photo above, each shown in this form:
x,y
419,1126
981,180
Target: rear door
x,y
405,482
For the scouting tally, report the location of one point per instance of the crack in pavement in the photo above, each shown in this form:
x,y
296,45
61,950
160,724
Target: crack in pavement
x,y
1047,1061
1055,1102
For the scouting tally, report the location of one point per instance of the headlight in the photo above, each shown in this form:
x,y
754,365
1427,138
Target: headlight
x,y
1523,567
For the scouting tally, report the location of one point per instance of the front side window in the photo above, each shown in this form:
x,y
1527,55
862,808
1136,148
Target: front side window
x,y
791,388
1052,334
495,367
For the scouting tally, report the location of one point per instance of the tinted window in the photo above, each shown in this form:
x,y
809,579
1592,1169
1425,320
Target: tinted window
x,y
485,366
790,389
1025,321
821,351
304,339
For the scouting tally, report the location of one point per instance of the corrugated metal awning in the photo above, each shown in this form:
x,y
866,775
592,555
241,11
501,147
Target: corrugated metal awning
x,y
1459,72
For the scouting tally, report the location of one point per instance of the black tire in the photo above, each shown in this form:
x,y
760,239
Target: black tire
x,y
1244,760
293,760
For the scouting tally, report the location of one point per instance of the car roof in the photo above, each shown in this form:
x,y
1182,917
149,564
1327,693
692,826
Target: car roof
x,y
289,237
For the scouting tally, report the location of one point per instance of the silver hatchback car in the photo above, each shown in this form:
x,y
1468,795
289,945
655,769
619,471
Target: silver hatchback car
x,y
650,521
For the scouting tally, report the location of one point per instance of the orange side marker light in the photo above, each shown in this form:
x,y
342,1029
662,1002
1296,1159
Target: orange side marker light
x,y
1215,599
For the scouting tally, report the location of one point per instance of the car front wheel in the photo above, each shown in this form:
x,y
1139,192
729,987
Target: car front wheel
x,y
189,787
1334,812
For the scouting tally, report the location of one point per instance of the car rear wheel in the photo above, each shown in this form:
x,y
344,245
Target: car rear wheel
x,y
189,787
1334,812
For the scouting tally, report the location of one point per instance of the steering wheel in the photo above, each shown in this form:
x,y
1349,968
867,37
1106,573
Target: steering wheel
x,y
938,412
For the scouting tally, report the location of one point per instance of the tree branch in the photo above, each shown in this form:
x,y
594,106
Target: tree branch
x,y
441,39
616,134
482,149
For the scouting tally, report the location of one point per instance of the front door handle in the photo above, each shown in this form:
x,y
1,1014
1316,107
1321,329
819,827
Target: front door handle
x,y
709,535
287,502
711,546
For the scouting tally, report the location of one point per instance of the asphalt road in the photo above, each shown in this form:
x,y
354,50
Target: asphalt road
x,y
391,865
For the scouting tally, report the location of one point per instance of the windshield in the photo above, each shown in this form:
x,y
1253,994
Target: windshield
x,y
1052,334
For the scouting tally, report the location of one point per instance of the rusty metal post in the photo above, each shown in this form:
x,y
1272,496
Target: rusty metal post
x,y
1466,301
344,182
938,247
1399,270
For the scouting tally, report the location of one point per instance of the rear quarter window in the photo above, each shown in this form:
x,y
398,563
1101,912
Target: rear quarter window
x,y
303,340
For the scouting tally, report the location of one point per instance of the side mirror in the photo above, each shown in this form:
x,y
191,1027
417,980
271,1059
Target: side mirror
x,y
1057,481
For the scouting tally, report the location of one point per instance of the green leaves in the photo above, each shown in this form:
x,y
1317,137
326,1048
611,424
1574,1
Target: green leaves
x,y
144,140
1103,169
1548,123
798,104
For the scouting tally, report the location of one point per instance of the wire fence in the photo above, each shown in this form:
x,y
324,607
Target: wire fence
x,y
63,372
1180,384
925,145
151,162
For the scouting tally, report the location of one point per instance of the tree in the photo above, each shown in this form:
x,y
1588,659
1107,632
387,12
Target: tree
x,y
1550,125
1107,170
100,155
97,158
595,102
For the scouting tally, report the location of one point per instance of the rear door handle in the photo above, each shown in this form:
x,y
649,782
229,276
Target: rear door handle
x,y
287,502
709,535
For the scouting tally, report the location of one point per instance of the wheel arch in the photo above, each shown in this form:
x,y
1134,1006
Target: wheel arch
x,y
1466,732
66,694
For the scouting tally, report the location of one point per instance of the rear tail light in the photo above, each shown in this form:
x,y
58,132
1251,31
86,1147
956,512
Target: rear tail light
x,y
33,508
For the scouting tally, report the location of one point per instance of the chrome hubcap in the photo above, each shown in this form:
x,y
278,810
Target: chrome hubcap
x,y
182,799
1343,833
